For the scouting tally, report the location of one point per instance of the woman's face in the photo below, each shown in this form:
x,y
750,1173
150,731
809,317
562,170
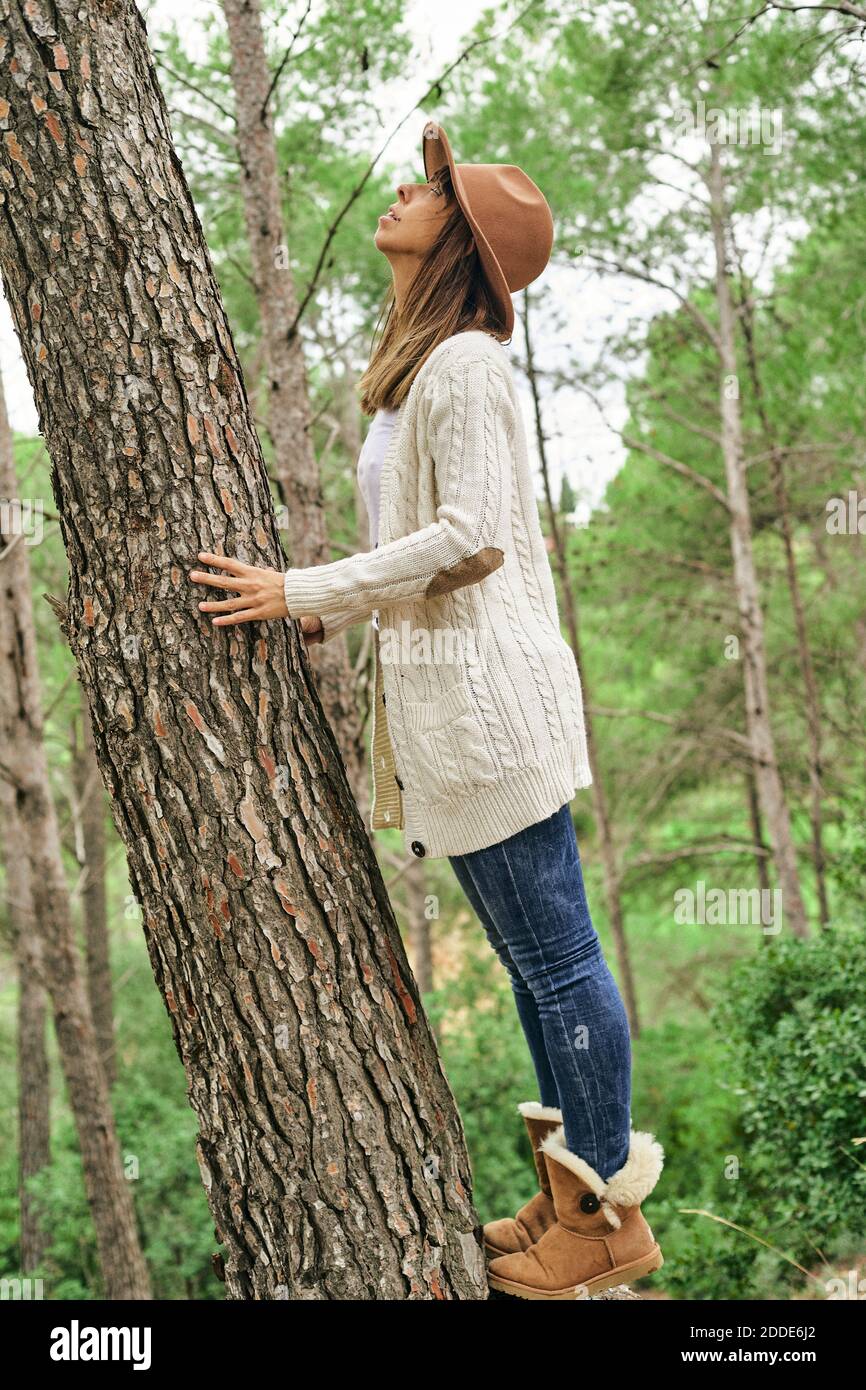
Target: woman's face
x,y
412,223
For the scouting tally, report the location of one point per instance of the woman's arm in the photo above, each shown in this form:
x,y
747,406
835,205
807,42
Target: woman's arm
x,y
323,629
469,421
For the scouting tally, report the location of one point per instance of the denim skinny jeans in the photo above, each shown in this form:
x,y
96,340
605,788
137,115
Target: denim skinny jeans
x,y
529,894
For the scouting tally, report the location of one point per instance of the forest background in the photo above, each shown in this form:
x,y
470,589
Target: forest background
x,y
692,372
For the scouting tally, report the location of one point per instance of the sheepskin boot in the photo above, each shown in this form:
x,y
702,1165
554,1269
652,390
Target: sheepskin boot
x,y
600,1237
514,1233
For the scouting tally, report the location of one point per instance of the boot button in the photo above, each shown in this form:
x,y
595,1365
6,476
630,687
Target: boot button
x,y
383,699
418,848
399,783
589,1203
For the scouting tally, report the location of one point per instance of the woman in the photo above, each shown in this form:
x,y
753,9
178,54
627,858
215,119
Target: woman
x,y
478,738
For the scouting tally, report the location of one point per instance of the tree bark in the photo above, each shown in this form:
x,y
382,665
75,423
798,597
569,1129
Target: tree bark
x,y
329,1143
90,796
25,765
774,807
288,404
607,849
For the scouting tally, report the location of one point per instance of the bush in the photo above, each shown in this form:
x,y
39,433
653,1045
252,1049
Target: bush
x,y
683,1096
794,1022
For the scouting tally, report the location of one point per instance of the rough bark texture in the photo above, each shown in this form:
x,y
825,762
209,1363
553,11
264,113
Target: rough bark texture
x,y
329,1144
24,761
34,1096
606,846
90,795
774,807
288,405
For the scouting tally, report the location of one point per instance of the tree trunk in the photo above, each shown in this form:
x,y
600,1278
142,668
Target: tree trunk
x,y
774,807
420,943
757,828
804,650
607,849
288,405
329,1144
23,754
90,795
34,1094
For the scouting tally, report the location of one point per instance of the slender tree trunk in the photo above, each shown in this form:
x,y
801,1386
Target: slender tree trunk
x,y
288,405
757,828
329,1144
34,1093
124,1271
607,849
420,943
804,650
774,807
90,795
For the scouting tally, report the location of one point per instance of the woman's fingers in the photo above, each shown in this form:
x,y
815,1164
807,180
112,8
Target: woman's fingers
x,y
260,590
224,562
236,575
247,615
225,605
217,581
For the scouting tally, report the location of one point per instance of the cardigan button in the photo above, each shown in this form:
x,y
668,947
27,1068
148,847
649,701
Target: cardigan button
x,y
417,848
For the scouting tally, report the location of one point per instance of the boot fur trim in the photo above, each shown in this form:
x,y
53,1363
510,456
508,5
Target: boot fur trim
x,y
531,1110
629,1186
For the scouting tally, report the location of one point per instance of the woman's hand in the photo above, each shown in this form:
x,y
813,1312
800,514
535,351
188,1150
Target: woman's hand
x,y
260,591
312,631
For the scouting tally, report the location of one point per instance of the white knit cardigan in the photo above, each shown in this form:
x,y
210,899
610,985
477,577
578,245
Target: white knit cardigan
x,y
478,727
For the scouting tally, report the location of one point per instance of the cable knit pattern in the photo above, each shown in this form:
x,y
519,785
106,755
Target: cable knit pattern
x,y
478,725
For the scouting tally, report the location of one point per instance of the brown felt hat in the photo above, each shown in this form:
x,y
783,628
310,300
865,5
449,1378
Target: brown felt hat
x,y
508,214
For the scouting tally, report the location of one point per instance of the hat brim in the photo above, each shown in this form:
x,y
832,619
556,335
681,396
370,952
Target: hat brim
x,y
437,154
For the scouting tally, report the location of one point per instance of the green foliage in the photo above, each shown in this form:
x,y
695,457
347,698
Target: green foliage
x,y
490,1071
795,1022
756,1104
682,1095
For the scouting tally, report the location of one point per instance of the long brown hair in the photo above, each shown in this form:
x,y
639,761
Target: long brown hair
x,y
447,295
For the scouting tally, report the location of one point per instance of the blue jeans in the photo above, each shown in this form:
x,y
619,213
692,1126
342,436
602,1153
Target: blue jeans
x,y
529,894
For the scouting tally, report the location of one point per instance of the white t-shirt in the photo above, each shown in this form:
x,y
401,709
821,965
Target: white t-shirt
x,y
370,462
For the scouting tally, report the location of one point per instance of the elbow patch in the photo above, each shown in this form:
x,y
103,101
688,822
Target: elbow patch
x,y
470,570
